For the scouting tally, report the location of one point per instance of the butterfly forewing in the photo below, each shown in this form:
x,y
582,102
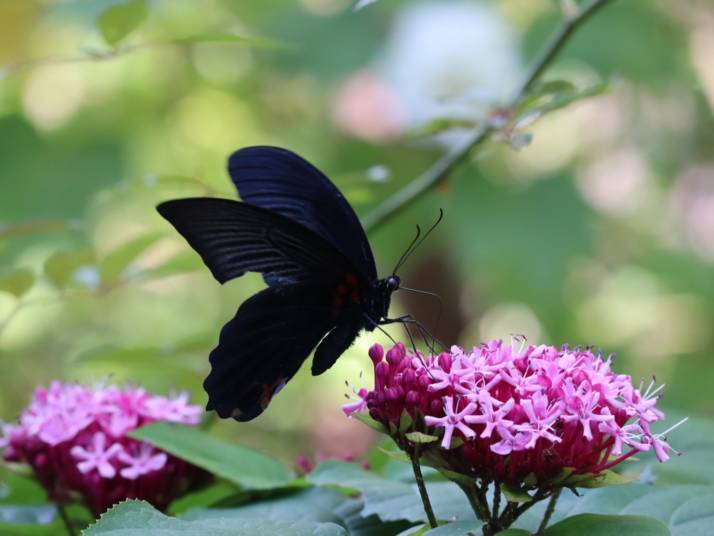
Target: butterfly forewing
x,y
283,182
233,238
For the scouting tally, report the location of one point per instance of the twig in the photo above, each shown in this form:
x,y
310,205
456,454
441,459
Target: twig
x,y
548,511
446,164
66,520
496,500
414,457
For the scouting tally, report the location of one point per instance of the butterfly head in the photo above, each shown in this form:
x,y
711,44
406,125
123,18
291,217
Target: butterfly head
x,y
392,283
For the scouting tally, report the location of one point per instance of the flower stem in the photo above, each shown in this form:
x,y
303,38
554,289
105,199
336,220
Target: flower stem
x,y
66,520
446,164
414,457
477,502
496,500
548,511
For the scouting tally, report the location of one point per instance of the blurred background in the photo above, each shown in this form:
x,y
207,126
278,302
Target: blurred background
x,y
593,225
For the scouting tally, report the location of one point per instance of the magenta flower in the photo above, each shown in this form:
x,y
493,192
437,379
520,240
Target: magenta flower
x,y
74,438
452,421
97,456
519,411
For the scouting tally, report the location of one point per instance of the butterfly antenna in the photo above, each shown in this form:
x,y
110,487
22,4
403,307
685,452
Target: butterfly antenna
x,y
407,251
418,241
433,294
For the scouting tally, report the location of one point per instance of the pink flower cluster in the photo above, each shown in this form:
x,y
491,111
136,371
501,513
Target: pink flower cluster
x,y
74,438
506,412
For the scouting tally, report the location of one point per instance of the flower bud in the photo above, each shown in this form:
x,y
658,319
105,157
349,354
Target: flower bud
x,y
436,407
413,398
376,353
395,354
445,361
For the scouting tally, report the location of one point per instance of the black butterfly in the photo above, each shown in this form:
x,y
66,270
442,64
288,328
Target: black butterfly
x,y
296,229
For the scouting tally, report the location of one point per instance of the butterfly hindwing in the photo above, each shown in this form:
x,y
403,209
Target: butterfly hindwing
x,y
263,346
281,181
233,238
335,344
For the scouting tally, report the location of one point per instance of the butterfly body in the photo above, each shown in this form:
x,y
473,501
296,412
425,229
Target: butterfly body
x,y
297,230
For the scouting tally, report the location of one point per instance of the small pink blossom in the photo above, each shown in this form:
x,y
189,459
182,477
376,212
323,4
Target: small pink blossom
x,y
75,439
452,421
519,409
147,460
97,456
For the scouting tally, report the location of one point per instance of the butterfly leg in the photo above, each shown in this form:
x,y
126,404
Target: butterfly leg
x,y
430,339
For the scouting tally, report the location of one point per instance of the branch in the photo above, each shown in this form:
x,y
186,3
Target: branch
x,y
414,457
446,164
119,51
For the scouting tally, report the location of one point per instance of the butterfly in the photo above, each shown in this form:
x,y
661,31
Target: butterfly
x,y
296,229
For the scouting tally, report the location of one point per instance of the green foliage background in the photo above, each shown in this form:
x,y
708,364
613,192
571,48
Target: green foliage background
x,y
95,286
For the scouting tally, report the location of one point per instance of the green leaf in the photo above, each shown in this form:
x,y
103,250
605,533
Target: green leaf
x,y
696,516
248,468
16,488
659,502
307,504
601,480
62,265
208,496
358,525
397,455
457,528
35,514
405,421
118,21
113,267
17,282
224,37
538,104
514,494
179,264
607,525
138,518
389,499
364,418
419,437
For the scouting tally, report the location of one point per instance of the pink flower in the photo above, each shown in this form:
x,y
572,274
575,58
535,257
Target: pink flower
x,y
519,410
75,439
97,457
452,421
147,460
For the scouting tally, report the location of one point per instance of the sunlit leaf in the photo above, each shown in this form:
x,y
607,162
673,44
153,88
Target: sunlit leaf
x,y
113,268
138,518
180,264
246,467
419,437
17,282
537,105
61,266
364,418
224,37
119,20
